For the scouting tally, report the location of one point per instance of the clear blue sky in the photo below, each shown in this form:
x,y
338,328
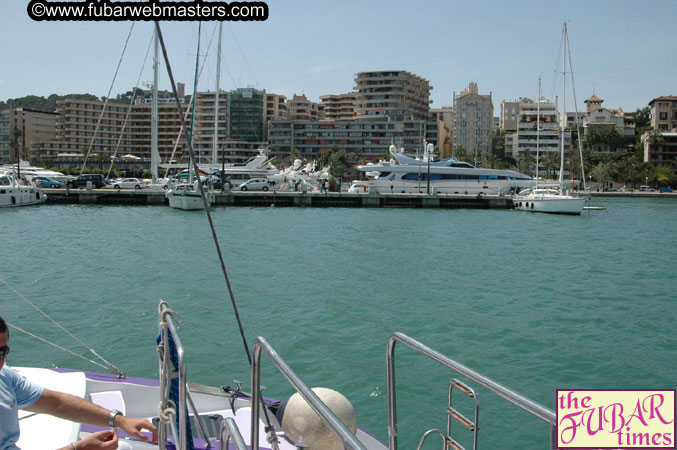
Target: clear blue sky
x,y
626,51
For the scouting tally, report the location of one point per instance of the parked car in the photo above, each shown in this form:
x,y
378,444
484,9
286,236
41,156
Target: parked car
x,y
666,189
97,181
646,188
255,184
128,183
47,182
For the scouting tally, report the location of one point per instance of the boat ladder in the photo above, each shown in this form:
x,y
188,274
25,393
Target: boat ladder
x,y
511,396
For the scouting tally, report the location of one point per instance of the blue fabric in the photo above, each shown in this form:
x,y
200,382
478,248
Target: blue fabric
x,y
16,392
174,391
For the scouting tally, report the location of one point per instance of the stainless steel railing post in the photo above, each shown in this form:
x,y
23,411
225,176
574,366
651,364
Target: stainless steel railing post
x,y
337,427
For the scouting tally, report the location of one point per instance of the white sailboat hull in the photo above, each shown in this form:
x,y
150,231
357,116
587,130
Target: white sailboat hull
x,y
20,196
187,200
549,203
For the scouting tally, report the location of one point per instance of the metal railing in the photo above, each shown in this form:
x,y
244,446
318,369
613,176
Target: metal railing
x,y
230,430
513,397
349,440
166,329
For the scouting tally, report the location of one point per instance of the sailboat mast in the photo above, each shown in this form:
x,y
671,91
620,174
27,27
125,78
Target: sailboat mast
x,y
192,118
564,102
538,129
154,156
216,100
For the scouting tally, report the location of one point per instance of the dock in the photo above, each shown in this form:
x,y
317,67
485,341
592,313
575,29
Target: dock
x,y
283,198
310,199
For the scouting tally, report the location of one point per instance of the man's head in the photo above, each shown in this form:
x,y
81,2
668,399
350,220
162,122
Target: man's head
x,y
4,339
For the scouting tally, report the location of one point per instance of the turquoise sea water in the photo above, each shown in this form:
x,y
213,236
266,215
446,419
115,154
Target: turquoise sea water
x,y
536,302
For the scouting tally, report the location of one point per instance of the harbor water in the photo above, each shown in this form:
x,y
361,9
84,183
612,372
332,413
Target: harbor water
x,y
536,302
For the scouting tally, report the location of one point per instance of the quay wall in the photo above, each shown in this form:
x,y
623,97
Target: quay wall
x,y
309,199
277,198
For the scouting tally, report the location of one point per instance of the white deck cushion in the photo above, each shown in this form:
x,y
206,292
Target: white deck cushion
x,y
41,431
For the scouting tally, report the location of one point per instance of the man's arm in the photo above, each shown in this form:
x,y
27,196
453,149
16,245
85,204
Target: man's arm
x,y
76,409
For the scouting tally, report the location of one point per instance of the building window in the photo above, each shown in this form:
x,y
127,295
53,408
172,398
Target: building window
x,y
663,115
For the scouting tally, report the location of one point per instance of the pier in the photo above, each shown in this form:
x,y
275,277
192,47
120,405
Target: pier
x,y
310,199
283,198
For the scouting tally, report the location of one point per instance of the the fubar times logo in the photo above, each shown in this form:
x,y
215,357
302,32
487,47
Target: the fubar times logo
x,y
616,419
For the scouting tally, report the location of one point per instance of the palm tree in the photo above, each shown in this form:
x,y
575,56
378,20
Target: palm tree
x,y
654,138
526,161
460,153
613,137
551,164
15,142
492,162
603,172
447,146
499,148
592,137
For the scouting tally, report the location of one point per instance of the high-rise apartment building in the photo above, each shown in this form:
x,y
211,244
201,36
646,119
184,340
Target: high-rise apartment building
x,y
444,118
339,107
26,127
120,133
396,94
246,115
300,108
473,121
368,138
4,137
525,138
508,115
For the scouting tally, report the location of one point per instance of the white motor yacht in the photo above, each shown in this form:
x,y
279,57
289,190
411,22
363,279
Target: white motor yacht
x,y
447,176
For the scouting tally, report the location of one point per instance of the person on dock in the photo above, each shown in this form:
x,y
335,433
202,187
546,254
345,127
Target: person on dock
x,y
16,392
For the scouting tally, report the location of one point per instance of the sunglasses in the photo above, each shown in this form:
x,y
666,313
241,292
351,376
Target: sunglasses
x,y
4,351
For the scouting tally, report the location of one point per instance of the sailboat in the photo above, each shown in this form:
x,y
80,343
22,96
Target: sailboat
x,y
187,195
14,193
549,199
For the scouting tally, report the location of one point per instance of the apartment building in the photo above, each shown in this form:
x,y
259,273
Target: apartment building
x,y
368,138
444,119
473,121
339,107
527,136
28,127
508,115
602,119
396,94
206,126
663,151
300,108
664,113
240,138
123,130
4,137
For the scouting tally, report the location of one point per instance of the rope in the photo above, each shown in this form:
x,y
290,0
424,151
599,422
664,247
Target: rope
x,y
109,366
129,109
204,198
578,121
103,110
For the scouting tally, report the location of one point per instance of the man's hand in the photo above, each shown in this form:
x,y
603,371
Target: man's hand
x,y
133,427
101,440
